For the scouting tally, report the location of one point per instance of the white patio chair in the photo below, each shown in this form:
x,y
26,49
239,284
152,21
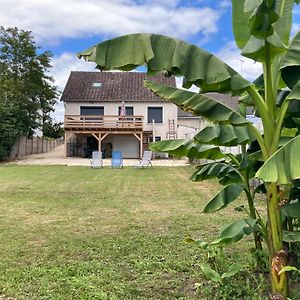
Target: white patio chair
x,y
96,161
145,161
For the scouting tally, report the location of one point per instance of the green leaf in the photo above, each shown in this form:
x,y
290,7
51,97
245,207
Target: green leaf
x,y
240,19
225,135
250,5
187,148
234,232
290,68
210,273
284,165
291,236
295,92
291,210
199,104
225,172
256,47
255,20
199,243
283,26
165,54
227,195
262,19
288,269
233,270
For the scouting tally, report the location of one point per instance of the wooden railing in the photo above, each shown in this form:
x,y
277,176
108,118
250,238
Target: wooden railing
x,y
78,122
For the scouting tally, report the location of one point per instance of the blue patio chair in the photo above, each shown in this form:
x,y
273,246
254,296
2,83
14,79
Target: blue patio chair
x,y
116,159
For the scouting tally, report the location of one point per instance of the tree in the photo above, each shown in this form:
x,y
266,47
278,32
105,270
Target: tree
x,y
53,130
262,32
27,93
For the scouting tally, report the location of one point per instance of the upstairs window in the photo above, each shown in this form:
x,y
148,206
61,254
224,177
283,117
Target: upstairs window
x,y
129,110
97,84
156,114
92,110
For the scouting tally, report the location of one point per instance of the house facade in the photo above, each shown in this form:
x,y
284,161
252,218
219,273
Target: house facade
x,y
109,111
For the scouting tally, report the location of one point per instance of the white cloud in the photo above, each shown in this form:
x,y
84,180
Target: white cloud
x,y
231,55
62,67
51,20
225,4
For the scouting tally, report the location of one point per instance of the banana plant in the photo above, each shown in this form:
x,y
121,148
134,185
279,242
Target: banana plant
x,y
234,172
262,32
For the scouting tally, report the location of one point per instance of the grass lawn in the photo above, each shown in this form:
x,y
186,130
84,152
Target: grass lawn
x,y
78,233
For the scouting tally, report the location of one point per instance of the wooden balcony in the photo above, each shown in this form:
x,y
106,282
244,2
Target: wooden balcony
x,y
81,123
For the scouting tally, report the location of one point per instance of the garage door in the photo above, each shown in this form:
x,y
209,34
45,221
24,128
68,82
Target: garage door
x,y
128,145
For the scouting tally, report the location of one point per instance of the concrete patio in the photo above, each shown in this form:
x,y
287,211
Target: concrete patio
x,y
56,157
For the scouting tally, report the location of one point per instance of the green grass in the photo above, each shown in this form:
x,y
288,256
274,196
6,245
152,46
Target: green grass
x,y
78,233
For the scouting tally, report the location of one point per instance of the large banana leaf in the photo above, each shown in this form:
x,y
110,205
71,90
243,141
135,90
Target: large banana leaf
x,y
225,173
165,54
225,135
290,68
291,210
295,92
236,231
199,104
223,198
284,165
256,23
187,148
291,236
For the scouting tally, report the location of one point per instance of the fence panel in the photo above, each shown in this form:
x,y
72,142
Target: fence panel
x,y
36,145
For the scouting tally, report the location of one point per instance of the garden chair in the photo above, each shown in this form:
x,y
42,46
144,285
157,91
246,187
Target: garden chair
x,y
116,159
145,161
96,161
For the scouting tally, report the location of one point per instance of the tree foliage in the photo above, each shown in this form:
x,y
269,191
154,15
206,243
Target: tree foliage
x,y
27,93
53,130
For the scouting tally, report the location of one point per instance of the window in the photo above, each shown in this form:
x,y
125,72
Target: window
x,y
92,110
157,139
129,110
97,84
155,113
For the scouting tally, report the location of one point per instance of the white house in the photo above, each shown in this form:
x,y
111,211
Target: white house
x,y
95,120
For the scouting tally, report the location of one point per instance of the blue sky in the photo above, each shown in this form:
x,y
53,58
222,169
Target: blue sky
x,y
69,26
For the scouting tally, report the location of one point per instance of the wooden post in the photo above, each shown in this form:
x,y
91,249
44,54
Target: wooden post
x,y
99,143
66,145
141,146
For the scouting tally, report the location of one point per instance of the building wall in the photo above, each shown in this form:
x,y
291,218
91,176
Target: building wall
x,y
140,109
127,144
196,123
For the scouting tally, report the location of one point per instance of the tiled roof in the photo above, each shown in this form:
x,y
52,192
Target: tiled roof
x,y
115,87
228,100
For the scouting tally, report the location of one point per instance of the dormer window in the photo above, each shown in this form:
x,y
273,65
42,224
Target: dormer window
x,y
97,84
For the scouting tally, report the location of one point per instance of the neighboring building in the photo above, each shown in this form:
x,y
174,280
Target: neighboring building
x,y
188,120
94,118
188,124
